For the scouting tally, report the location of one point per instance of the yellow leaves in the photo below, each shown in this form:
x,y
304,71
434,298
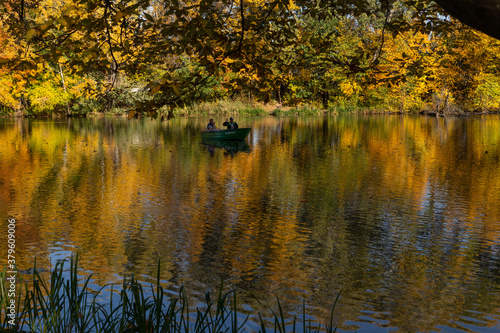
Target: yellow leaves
x,y
292,5
7,96
80,87
45,27
350,88
128,11
255,3
33,32
30,34
487,93
46,96
62,21
119,16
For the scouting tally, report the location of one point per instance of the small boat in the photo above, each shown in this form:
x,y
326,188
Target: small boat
x,y
238,134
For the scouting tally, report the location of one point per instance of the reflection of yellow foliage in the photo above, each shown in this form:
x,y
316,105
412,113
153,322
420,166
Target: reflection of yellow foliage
x,y
126,198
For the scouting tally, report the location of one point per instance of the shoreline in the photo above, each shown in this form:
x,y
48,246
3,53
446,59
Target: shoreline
x,y
278,112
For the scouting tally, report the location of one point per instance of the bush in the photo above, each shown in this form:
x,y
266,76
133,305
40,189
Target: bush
x,y
45,98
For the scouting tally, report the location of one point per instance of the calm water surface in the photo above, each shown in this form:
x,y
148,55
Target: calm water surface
x,y
400,213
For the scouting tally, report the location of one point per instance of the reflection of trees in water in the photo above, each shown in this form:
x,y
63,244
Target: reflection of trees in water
x,y
392,210
227,147
435,239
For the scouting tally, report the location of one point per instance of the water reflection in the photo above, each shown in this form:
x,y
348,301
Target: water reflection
x,y
228,147
400,213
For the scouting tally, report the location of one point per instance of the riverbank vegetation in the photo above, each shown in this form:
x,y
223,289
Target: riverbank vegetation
x,y
256,56
66,304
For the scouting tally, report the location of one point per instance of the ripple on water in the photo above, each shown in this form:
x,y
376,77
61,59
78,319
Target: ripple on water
x,y
393,211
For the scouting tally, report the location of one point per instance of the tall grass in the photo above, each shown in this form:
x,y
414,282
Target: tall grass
x,y
304,110
221,108
67,305
343,109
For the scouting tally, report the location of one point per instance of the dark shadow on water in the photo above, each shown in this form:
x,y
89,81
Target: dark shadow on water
x,y
229,147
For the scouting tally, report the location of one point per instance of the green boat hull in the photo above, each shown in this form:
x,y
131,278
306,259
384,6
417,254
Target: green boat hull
x,y
234,134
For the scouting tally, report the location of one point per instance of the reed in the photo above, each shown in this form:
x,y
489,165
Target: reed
x,y
221,108
67,305
304,110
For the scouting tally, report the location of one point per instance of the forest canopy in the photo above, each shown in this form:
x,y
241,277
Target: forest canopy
x,y
80,56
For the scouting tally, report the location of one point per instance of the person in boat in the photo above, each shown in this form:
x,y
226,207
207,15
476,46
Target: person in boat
x,y
231,124
211,125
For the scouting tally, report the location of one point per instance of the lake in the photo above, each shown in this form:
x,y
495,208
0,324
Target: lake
x,y
399,213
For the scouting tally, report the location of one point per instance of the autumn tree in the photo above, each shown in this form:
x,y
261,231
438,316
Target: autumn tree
x,y
335,52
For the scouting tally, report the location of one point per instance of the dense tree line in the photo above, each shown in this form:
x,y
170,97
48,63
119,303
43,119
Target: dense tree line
x,y
147,55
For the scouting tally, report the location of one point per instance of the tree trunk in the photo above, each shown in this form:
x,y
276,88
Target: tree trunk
x,y
68,111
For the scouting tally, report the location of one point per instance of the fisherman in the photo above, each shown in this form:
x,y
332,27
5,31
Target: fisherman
x,y
211,125
231,124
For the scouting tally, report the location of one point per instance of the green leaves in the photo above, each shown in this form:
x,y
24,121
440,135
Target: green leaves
x,y
176,89
149,17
